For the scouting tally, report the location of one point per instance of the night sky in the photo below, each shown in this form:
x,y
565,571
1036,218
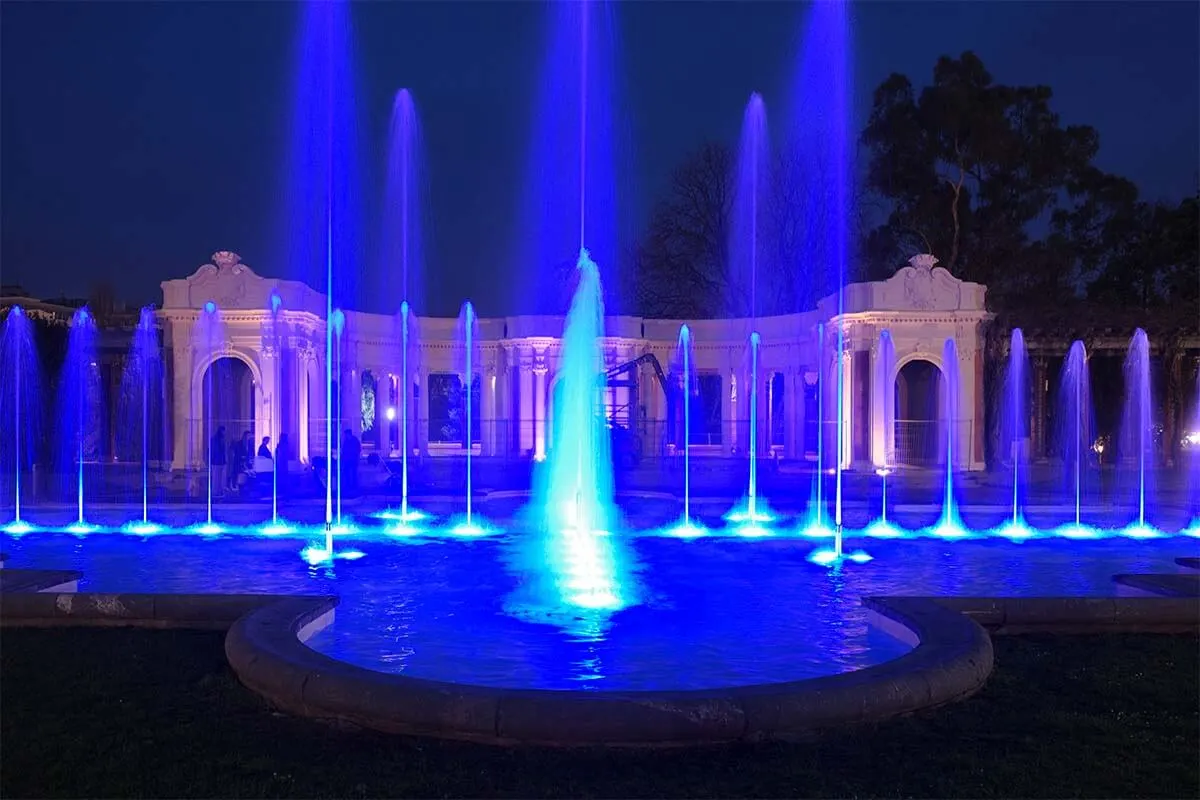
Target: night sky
x,y
138,138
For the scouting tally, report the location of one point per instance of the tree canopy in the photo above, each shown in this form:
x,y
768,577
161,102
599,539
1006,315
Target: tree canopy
x,y
983,175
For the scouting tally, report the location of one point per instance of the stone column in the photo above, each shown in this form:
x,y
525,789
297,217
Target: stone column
x,y
487,408
525,414
183,413
422,411
304,369
540,432
268,423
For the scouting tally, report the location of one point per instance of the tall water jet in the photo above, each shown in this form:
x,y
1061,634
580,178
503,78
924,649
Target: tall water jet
x,y
685,361
884,388
1137,424
820,138
467,336
338,328
815,523
320,230
1192,439
748,212
20,402
1014,416
276,303
578,136
79,404
403,257
576,561
141,386
1075,426
208,339
950,524
407,337
753,513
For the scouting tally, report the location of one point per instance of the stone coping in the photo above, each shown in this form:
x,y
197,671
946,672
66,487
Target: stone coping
x,y
13,581
1073,615
952,661
93,609
264,645
1178,584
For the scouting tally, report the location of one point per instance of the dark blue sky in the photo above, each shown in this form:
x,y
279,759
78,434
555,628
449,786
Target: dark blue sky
x,y
137,138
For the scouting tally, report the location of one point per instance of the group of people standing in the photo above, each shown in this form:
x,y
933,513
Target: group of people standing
x,y
231,461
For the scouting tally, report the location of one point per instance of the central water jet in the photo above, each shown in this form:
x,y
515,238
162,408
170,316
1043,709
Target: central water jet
x,y
574,559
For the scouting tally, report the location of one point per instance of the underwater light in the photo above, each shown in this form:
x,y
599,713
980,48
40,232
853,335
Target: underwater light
x,y
209,529
316,555
79,528
1140,531
882,529
827,558
408,515
1074,531
1015,531
687,529
18,527
751,530
141,528
279,528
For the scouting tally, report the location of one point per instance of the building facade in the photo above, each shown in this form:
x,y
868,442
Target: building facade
x,y
249,353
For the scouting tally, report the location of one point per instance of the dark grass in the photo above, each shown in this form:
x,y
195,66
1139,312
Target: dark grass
x,y
126,713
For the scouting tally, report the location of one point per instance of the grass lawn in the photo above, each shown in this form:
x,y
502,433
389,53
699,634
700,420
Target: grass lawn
x,y
126,713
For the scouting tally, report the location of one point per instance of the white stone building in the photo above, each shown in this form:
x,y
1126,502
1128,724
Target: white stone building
x,y
271,374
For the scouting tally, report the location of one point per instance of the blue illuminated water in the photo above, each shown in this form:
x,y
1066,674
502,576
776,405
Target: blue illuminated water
x,y
716,611
20,401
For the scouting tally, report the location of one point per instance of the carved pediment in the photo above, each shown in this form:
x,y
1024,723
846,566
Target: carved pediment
x,y
922,286
226,281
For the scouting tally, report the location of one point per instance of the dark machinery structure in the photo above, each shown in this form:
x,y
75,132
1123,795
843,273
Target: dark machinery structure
x,y
625,419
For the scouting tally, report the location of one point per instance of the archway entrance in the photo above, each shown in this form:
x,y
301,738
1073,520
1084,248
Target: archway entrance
x,y
918,414
228,399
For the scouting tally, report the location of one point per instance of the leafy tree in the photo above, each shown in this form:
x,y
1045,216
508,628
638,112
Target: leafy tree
x,y
967,167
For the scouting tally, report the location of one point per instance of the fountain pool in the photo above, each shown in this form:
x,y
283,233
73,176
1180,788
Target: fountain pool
x,y
716,612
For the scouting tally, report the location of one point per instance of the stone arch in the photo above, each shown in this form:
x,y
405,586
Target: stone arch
x,y
251,404
918,410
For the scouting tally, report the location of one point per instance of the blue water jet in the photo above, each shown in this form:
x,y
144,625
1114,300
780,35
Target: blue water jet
x,y
20,402
1075,426
79,405
747,212
208,339
1014,419
950,525
575,559
1136,449
403,257
141,405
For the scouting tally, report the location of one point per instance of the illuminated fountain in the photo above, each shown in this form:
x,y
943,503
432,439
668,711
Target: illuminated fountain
x,y
750,184
208,339
688,527
950,525
20,401
575,559
403,260
1191,439
140,385
1014,418
884,387
469,526
79,402
1075,429
1136,450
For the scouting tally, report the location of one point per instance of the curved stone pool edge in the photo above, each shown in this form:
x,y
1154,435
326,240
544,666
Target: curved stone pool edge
x,y
264,646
